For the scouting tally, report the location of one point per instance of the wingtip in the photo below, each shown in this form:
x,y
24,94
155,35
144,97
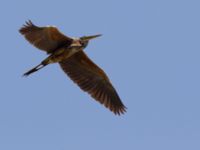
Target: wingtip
x,y
117,110
25,28
120,111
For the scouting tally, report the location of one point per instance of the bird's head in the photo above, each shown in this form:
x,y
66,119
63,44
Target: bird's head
x,y
85,39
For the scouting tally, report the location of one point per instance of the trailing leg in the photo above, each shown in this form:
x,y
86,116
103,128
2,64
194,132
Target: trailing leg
x,y
38,67
45,62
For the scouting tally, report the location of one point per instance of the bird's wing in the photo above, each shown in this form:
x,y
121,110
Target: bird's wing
x,y
45,38
92,79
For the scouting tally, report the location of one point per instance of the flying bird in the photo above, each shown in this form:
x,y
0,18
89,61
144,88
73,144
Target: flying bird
x,y
68,52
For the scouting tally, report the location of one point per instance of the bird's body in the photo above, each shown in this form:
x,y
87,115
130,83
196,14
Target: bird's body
x,y
68,52
62,54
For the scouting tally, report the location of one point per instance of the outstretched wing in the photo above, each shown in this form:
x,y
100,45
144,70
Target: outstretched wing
x,y
92,79
45,38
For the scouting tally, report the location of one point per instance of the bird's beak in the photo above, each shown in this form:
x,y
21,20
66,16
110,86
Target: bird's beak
x,y
90,37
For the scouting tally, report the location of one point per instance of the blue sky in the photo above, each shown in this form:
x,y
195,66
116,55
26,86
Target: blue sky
x,y
149,49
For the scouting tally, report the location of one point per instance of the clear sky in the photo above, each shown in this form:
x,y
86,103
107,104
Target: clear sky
x,y
150,50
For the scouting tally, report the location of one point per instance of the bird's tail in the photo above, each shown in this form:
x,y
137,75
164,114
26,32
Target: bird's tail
x,y
36,68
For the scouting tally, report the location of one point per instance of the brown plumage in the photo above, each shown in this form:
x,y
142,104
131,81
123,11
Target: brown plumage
x,y
45,38
68,52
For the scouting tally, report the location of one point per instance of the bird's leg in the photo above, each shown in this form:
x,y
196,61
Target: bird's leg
x,y
45,62
54,58
38,67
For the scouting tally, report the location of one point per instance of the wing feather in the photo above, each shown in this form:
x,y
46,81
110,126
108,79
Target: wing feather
x,y
45,38
92,79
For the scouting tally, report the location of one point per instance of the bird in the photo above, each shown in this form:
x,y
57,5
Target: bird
x,y
68,53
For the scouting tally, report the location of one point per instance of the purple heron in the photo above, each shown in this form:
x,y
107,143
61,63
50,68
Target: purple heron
x,y
68,52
